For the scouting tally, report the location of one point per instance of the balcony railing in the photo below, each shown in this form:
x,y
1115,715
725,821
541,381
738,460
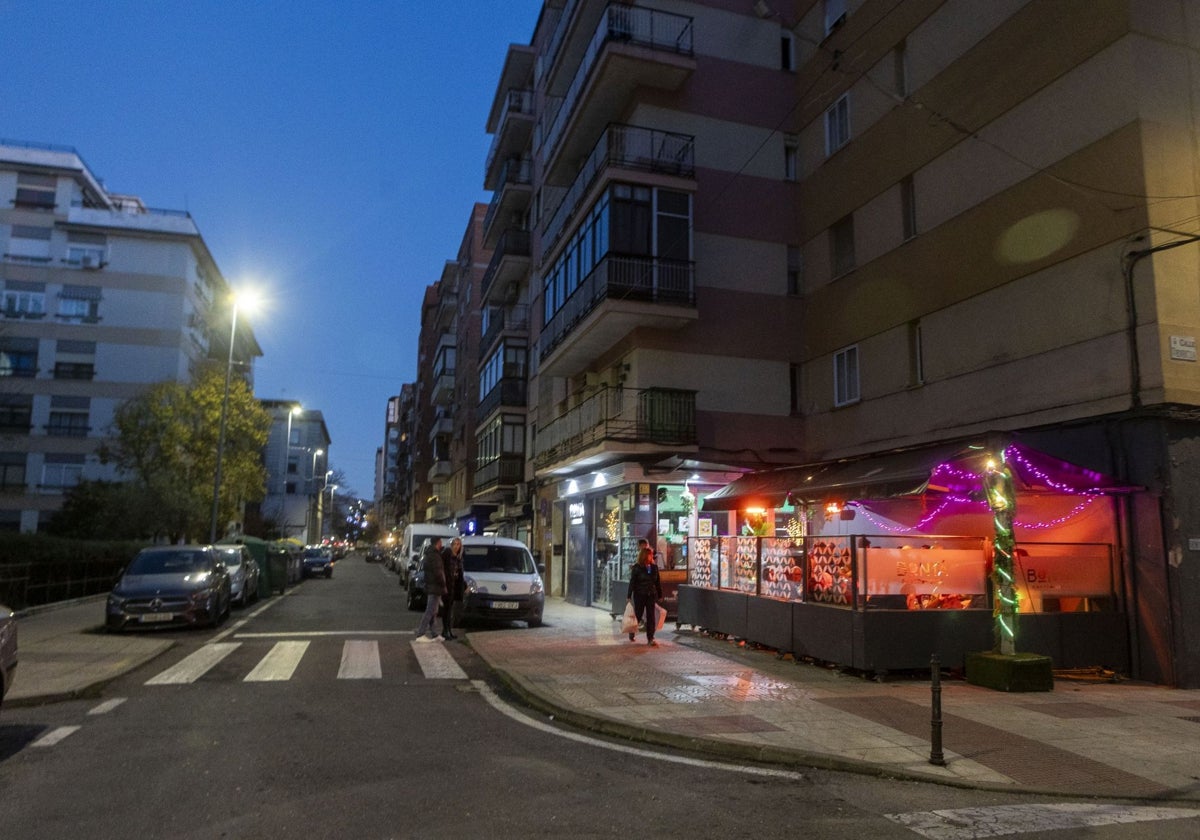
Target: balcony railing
x,y
516,171
513,243
628,25
514,318
516,102
663,416
621,278
502,471
509,391
630,147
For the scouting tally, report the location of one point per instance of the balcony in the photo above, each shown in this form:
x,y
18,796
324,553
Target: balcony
x,y
510,198
443,425
625,147
437,512
512,132
510,263
509,392
440,471
617,421
620,295
447,308
443,387
631,47
505,471
512,319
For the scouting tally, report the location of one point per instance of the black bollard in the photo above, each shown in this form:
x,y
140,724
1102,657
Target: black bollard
x,y
935,722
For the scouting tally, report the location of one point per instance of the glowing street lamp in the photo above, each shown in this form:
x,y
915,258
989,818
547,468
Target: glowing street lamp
x,y
294,411
238,301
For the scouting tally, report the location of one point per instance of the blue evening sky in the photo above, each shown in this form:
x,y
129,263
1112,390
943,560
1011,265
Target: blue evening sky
x,y
330,152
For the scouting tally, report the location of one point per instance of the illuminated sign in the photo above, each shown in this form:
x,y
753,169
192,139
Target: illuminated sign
x,y
575,513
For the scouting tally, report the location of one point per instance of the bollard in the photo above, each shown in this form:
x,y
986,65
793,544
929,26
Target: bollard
x,y
935,721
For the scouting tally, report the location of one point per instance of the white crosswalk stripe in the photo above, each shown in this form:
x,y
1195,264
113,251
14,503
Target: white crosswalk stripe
x,y
1000,820
360,660
192,667
280,662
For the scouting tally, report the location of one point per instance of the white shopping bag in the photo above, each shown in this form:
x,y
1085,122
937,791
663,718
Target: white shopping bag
x,y
660,616
629,622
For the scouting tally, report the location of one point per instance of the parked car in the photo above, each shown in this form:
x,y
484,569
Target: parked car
x,y
171,585
243,573
318,560
502,582
8,650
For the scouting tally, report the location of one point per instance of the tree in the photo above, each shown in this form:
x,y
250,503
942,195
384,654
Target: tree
x,y
165,439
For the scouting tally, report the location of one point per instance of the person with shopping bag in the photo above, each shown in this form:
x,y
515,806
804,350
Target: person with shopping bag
x,y
645,591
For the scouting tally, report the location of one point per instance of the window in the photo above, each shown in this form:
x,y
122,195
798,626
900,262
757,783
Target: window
x,y
794,372
86,249
835,14
36,191
845,376
837,125
908,208
74,359
900,69
74,370
841,245
12,471
67,424
29,244
24,300
18,357
72,309
916,359
787,51
791,159
61,472
16,413
290,489
795,270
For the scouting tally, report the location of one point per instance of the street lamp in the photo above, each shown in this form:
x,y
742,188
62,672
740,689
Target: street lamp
x,y
238,301
294,411
320,515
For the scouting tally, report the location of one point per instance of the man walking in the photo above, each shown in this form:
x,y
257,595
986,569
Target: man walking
x,y
435,587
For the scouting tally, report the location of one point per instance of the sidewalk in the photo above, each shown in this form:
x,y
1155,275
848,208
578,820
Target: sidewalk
x,y
699,693
696,692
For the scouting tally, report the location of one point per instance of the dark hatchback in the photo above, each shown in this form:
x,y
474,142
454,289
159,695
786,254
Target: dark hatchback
x,y
170,586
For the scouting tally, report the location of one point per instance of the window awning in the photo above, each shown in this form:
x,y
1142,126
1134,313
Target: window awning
x,y
948,468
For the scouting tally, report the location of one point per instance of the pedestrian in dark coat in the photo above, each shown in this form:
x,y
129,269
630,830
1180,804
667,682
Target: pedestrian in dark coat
x,y
645,590
435,586
452,562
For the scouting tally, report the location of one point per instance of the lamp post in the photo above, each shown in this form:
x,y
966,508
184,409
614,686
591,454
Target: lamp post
x,y
237,302
287,444
315,503
321,516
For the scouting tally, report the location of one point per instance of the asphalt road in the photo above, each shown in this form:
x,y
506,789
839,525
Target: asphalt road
x,y
313,716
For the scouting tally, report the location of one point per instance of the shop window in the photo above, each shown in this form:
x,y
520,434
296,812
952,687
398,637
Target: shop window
x,y
841,242
837,125
845,376
908,208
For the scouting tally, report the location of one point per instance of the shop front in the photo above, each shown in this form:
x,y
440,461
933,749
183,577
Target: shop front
x,y
879,564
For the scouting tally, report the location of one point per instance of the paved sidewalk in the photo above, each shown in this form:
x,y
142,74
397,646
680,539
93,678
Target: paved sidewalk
x,y
1119,740
697,692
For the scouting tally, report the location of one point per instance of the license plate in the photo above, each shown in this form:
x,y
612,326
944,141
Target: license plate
x,y
151,618
505,605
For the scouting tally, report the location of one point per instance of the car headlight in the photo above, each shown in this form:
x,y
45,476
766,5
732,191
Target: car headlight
x,y
470,585
115,601
537,587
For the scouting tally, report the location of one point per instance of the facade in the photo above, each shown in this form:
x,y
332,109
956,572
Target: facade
x,y
393,493
101,297
296,458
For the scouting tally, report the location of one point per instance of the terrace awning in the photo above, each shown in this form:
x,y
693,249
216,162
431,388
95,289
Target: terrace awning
x,y
913,472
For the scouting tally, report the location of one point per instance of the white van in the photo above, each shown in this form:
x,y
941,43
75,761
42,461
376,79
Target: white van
x,y
412,542
502,581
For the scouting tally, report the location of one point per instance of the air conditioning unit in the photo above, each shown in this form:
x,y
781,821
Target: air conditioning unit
x,y
90,261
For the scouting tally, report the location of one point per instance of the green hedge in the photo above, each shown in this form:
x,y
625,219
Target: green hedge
x,y
36,569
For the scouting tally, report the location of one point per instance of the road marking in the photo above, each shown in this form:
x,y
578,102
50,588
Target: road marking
x,y
499,705
360,660
998,820
318,633
241,622
54,736
192,667
279,663
107,706
436,662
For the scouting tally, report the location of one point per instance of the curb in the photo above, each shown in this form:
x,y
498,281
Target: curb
x,y
92,689
57,605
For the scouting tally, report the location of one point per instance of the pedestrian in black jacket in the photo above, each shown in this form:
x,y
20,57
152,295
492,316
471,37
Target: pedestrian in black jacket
x,y
645,590
452,561
435,587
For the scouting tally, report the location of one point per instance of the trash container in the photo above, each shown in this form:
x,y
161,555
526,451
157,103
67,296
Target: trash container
x,y
277,569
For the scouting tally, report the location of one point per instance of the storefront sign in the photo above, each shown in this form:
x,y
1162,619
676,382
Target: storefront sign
x,y
575,513
643,497
1183,348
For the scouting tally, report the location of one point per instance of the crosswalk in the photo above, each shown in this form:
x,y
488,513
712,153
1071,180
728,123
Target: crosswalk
x,y
279,661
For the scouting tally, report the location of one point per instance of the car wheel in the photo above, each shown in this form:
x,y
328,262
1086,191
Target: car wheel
x,y
329,573
412,601
536,621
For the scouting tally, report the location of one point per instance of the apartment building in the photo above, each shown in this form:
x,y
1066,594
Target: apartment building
x,y
393,467
101,297
296,458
